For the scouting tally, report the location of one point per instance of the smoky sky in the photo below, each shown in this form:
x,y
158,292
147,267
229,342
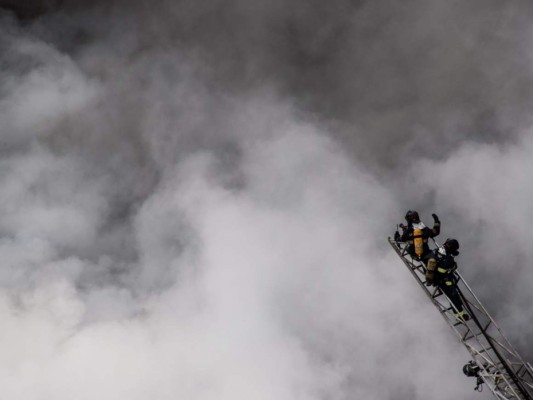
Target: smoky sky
x,y
383,75
196,195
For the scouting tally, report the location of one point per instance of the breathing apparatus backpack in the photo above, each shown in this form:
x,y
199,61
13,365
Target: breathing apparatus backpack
x,y
418,238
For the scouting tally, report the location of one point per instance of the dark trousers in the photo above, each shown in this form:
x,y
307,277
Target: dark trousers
x,y
453,294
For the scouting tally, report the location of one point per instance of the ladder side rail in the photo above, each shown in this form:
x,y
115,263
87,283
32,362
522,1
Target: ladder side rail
x,y
489,351
494,376
502,352
443,308
498,386
486,313
480,349
448,316
412,266
492,321
526,385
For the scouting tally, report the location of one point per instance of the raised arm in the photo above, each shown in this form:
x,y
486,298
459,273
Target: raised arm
x,y
436,226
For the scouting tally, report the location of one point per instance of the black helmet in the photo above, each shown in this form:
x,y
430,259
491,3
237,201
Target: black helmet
x,y
451,246
412,216
471,369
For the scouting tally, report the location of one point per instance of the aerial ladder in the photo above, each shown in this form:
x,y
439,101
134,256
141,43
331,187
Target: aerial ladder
x,y
495,362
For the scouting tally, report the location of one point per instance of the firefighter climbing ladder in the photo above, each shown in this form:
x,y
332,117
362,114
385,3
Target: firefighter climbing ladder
x,y
501,368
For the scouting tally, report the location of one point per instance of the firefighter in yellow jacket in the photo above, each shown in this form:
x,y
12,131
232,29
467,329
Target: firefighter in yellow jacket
x,y
416,235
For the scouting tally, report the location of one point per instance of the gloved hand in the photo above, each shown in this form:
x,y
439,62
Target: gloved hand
x,y
396,236
435,218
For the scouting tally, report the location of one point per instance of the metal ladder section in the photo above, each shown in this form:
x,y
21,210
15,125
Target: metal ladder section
x,y
501,368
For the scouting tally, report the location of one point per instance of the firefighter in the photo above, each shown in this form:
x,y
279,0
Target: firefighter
x,y
416,235
472,370
440,272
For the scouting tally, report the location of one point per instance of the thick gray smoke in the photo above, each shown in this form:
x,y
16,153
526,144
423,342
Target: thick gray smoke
x,y
196,195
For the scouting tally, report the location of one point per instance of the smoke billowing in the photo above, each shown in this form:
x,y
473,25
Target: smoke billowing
x,y
196,197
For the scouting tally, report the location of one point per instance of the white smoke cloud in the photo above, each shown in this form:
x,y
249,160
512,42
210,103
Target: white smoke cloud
x,y
40,86
282,293
172,229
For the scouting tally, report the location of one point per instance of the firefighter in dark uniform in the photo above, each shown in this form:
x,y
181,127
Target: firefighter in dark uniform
x,y
440,272
416,235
